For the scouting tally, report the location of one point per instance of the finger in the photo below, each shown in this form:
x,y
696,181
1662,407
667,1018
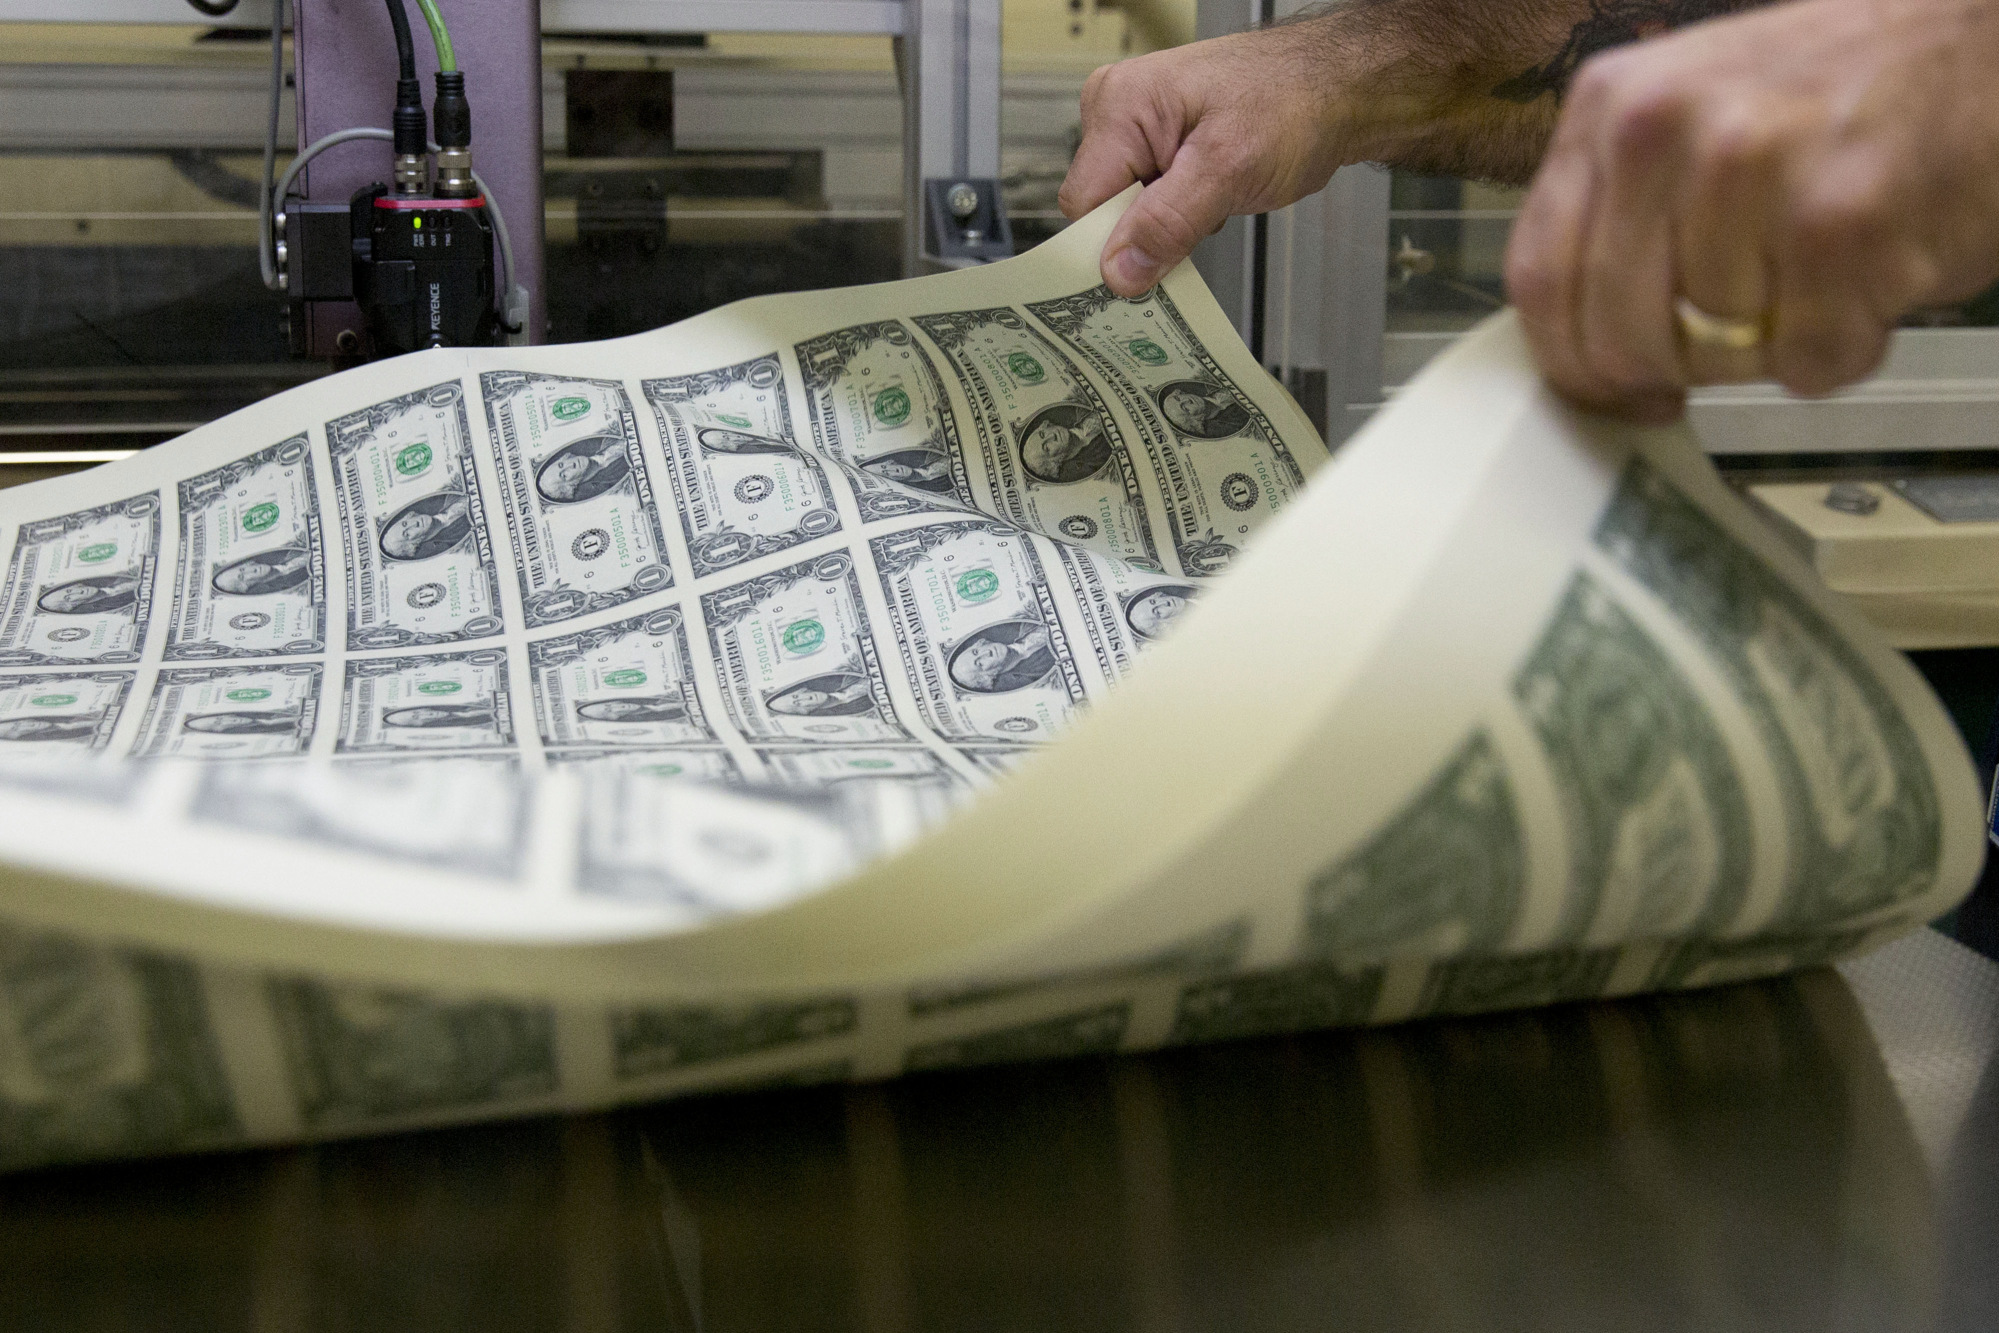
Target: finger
x,y
1544,259
1823,334
1124,138
1171,216
1829,327
1627,335
1108,161
1722,242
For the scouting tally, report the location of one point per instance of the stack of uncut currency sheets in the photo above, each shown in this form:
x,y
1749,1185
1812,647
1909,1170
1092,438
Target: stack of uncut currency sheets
x,y
974,668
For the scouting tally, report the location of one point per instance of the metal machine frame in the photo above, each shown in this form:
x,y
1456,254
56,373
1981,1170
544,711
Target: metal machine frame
x,y
947,56
947,60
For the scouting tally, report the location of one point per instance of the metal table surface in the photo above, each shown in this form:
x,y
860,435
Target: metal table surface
x,y
1819,1152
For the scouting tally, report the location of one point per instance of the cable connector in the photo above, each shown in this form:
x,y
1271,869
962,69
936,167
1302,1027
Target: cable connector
x,y
454,174
412,147
451,127
412,174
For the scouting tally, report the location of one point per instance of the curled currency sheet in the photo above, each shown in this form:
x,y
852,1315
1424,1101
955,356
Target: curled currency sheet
x,y
489,732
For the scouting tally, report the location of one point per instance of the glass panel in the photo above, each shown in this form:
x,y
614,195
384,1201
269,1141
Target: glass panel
x,y
132,259
131,308
1446,252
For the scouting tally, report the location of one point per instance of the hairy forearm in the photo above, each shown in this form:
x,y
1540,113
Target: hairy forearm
x,y
1472,87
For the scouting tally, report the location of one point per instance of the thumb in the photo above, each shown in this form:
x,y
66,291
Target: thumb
x,y
1169,218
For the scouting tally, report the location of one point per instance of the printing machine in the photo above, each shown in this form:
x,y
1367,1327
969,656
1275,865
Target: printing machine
x,y
636,161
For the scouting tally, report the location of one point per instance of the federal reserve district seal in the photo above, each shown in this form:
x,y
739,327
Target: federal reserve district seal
x,y
1239,492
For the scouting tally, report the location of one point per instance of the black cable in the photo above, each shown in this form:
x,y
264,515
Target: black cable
x,y
215,9
411,126
399,19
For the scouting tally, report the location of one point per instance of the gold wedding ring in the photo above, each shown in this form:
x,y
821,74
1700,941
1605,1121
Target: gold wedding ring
x,y
1704,330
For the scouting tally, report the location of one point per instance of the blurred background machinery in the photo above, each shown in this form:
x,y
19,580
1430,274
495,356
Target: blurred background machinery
x,y
687,153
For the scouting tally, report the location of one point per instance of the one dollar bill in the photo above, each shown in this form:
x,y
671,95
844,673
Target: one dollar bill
x,y
1216,458
705,849
1125,609
433,701
878,407
419,561
80,586
252,577
1056,459
60,712
626,685
579,498
231,712
464,815
797,659
745,488
978,632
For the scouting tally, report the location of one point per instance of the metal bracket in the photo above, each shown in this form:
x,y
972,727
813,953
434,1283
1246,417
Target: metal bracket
x,y
964,223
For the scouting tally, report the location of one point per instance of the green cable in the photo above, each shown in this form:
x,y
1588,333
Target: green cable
x,y
447,60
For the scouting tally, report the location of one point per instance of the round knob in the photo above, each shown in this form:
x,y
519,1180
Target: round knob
x,y
1850,497
963,201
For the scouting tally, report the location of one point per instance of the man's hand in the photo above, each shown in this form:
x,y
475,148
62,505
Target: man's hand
x,y
1815,170
1253,122
1808,172
1241,124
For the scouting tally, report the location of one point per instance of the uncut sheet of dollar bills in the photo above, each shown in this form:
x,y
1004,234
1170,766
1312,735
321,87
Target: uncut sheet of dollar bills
x,y
840,684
